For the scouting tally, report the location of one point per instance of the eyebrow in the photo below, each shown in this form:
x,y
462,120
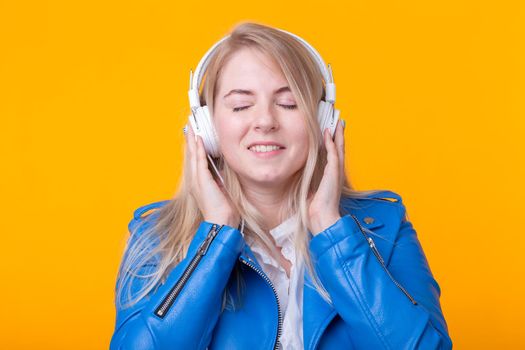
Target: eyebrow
x,y
251,93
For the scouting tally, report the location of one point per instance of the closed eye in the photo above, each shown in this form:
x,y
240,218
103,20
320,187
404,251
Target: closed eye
x,y
237,109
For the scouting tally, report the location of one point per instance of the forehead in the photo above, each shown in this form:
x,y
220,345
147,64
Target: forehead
x,y
250,66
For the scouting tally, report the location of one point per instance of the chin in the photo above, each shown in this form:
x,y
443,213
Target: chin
x,y
265,180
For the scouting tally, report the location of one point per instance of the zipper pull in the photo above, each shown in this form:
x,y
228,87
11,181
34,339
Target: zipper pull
x,y
203,249
374,249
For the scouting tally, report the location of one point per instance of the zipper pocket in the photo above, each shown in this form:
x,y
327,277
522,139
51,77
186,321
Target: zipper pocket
x,y
279,316
168,301
373,247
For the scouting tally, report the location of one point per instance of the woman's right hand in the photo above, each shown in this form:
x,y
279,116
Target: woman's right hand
x,y
211,197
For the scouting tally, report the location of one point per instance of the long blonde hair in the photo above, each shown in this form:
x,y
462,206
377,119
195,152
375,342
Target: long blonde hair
x,y
163,244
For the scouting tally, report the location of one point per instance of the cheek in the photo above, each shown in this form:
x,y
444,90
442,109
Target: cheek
x,y
299,134
297,138
229,135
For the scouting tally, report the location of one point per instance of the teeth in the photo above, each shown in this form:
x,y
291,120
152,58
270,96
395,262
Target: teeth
x,y
263,148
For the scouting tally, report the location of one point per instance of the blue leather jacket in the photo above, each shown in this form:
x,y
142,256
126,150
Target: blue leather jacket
x,y
383,291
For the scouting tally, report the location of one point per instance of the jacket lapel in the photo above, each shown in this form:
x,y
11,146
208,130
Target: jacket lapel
x,y
317,313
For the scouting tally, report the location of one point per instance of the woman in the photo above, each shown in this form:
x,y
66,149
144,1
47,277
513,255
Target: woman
x,y
272,247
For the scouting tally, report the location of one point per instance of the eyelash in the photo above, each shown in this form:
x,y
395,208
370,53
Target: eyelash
x,y
238,109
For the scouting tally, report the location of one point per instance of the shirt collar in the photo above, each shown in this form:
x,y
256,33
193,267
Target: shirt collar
x,y
282,232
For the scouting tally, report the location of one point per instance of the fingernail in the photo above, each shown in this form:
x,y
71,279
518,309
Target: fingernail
x,y
185,129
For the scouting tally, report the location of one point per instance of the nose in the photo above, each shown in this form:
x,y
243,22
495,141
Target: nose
x,y
266,120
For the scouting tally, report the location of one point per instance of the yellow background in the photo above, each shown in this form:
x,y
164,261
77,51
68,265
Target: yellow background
x,y
94,96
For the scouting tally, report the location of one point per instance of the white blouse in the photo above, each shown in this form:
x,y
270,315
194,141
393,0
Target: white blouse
x,y
289,290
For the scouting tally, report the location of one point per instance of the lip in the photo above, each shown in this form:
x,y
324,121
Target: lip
x,y
266,155
265,143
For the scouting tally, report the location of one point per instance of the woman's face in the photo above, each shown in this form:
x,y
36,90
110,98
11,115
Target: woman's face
x,y
262,134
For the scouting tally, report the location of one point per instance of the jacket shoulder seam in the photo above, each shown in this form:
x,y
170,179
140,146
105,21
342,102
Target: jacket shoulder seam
x,y
387,197
145,210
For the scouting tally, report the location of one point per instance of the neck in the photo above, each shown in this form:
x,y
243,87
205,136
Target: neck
x,y
268,201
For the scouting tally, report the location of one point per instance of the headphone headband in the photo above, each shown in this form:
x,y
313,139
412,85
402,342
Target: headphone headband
x,y
326,71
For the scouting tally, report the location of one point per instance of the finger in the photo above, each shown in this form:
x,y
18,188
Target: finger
x,y
340,143
332,157
202,161
186,150
190,142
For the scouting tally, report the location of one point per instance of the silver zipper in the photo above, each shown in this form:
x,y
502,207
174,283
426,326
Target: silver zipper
x,y
280,319
382,262
167,302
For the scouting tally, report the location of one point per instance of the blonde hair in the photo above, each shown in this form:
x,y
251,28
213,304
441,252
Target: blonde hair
x,y
164,243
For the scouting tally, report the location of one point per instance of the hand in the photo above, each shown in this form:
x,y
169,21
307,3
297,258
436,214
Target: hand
x,y
210,195
323,207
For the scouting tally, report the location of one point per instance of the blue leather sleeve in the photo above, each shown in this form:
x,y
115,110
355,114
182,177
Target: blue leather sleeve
x,y
189,322
378,313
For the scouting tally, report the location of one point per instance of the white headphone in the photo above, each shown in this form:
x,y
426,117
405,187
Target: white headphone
x,y
200,119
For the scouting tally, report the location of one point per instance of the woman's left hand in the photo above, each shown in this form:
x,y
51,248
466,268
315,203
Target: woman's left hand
x,y
323,207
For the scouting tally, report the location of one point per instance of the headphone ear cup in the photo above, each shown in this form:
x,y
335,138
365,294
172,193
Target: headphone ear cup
x,y
327,117
203,127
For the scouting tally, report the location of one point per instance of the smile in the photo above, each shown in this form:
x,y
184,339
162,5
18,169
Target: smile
x,y
264,148
264,152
